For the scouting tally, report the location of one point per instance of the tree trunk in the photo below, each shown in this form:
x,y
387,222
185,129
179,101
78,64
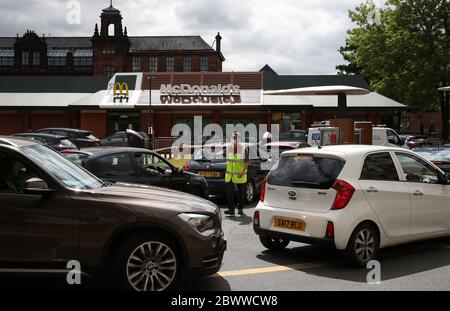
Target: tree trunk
x,y
445,113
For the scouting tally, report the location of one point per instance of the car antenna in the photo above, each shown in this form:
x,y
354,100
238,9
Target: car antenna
x,y
317,143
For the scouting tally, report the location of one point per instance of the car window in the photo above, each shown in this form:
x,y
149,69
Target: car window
x,y
305,171
417,170
119,135
379,166
77,158
393,137
114,165
13,174
59,133
148,161
66,142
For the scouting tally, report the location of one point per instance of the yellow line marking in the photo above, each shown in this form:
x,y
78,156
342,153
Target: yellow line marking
x,y
300,266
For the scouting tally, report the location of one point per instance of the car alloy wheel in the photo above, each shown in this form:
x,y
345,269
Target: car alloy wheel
x,y
152,266
365,245
249,192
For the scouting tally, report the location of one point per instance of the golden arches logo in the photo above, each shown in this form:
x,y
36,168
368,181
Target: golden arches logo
x,y
121,92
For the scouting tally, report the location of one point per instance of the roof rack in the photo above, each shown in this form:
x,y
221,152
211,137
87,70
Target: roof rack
x,y
7,142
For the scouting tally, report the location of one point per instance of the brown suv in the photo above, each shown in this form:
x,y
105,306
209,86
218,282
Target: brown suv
x,y
53,211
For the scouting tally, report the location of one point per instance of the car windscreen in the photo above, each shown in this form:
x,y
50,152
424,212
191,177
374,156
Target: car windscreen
x,y
305,171
66,142
67,172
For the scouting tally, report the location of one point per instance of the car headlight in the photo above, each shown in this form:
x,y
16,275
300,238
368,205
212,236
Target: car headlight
x,y
203,224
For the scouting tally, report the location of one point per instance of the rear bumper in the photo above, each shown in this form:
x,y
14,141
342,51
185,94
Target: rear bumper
x,y
328,242
316,225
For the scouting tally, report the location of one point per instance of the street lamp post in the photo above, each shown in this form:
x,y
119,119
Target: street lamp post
x,y
150,112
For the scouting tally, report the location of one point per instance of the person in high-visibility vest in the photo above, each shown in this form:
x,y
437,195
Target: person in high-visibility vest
x,y
236,174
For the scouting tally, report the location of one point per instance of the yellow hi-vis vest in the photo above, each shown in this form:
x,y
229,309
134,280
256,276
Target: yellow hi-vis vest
x,y
235,166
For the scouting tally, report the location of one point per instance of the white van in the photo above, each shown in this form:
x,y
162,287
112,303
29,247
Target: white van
x,y
381,136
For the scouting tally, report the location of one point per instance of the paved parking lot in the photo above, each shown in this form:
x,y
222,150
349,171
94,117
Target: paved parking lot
x,y
248,266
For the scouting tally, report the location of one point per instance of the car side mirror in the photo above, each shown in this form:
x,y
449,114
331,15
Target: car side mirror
x,y
447,178
37,186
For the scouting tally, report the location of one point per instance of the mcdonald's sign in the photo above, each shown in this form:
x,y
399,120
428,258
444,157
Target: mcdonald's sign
x,y
121,92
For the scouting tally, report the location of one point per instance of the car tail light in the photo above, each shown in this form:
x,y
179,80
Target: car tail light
x,y
186,167
263,190
256,219
344,194
330,230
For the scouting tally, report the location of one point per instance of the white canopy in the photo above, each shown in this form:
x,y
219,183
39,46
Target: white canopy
x,y
321,90
444,89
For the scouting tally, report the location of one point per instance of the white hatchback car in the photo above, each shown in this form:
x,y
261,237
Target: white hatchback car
x,y
357,198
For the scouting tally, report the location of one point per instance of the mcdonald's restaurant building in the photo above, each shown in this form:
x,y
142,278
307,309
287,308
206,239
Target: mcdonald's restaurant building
x,y
137,100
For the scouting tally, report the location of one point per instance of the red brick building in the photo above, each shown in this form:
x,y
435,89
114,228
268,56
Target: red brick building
x,y
108,51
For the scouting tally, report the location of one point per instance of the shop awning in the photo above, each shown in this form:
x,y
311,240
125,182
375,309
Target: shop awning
x,y
321,90
39,99
371,100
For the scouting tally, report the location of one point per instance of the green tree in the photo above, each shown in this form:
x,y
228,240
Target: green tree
x,y
404,52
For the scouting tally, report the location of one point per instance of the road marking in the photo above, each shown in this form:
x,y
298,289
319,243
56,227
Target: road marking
x,y
308,265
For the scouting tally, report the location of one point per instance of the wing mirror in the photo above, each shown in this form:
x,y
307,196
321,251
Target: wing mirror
x,y
37,186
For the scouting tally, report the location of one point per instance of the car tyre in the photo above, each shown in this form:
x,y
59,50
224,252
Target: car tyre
x,y
148,262
273,244
363,245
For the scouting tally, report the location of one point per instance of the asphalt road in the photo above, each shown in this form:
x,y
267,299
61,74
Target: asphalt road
x,y
248,266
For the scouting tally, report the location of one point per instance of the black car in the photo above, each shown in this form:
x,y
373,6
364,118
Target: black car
x,y
80,138
213,167
128,138
56,142
440,156
139,166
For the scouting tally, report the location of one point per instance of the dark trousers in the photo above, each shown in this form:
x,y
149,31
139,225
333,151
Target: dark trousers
x,y
231,188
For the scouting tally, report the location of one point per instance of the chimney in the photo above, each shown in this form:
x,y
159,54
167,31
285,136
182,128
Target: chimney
x,y
218,42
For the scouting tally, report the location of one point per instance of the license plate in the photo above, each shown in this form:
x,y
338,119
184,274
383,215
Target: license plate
x,y
291,224
209,174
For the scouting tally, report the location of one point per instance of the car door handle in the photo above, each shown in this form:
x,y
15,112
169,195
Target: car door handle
x,y
418,193
372,190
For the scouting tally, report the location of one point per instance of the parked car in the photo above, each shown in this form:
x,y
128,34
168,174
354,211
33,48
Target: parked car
x,y
128,138
356,198
54,141
146,237
414,141
440,156
210,162
80,138
141,166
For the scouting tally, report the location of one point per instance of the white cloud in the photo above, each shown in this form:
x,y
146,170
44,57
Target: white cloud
x,y
293,36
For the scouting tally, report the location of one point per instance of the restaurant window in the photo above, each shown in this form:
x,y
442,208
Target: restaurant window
x,y
82,61
187,63
288,121
136,64
36,58
25,59
204,64
6,61
108,71
170,64
57,61
108,51
153,64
